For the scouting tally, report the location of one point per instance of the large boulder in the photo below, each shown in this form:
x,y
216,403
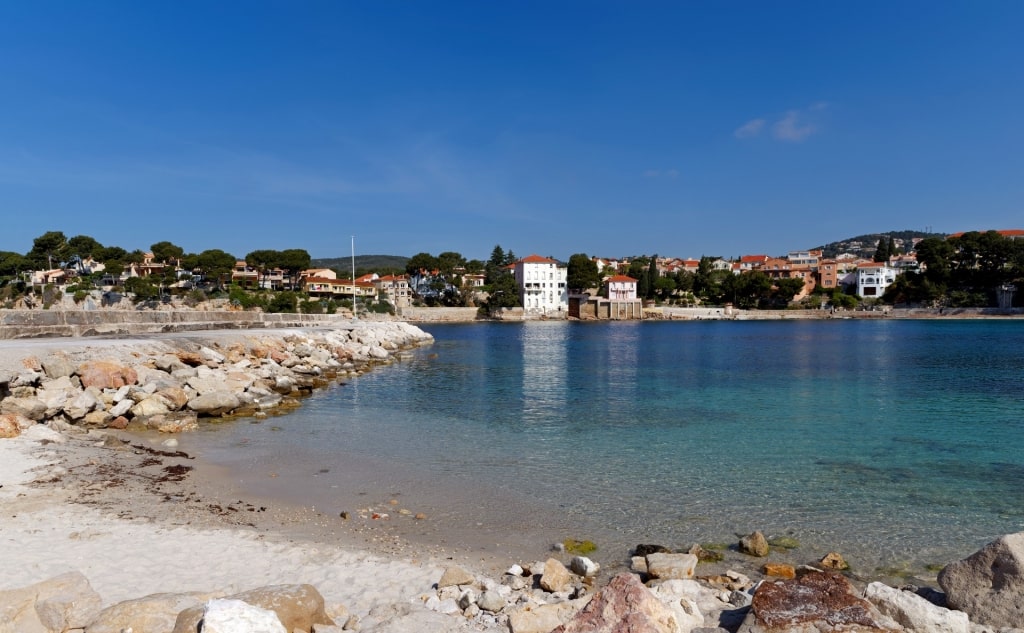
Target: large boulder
x,y
64,602
556,578
31,408
914,612
214,403
624,606
540,618
58,367
153,613
816,601
667,566
455,576
105,374
85,402
989,584
297,607
754,544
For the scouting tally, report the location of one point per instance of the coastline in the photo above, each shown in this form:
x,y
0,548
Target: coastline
x,y
122,508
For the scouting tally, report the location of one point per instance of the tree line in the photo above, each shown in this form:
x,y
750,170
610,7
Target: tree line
x,y
962,271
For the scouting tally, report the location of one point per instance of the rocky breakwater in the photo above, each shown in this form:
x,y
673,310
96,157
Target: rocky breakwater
x,y
170,384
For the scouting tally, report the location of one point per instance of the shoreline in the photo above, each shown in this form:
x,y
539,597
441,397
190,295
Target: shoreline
x,y
138,515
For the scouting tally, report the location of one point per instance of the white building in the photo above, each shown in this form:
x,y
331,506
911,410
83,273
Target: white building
x,y
621,288
541,283
873,279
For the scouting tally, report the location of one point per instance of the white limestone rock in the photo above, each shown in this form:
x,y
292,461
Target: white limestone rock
x,y
215,403
583,566
681,566
235,616
914,612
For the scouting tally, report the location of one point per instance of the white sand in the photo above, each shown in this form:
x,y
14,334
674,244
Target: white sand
x,y
42,535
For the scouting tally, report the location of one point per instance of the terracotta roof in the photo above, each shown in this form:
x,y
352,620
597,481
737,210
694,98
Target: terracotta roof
x,y
753,258
622,279
537,259
1003,232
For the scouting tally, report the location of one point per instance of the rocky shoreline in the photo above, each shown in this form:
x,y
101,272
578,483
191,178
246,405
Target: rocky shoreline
x,y
109,527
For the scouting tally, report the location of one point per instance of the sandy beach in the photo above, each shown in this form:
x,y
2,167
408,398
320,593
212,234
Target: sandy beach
x,y
139,517
129,543
137,514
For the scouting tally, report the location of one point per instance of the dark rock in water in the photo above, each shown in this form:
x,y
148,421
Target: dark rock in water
x,y
644,550
988,584
816,601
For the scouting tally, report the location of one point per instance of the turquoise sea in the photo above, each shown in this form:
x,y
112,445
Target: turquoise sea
x,y
898,443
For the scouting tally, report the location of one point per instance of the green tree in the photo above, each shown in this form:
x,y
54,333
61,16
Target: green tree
x,y
166,252
582,273
263,261
504,293
286,302
882,251
294,261
653,274
450,261
495,265
111,254
935,255
142,288
216,265
421,261
49,250
664,287
83,246
786,289
13,264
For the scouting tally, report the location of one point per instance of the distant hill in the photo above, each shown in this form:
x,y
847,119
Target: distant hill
x,y
375,263
865,245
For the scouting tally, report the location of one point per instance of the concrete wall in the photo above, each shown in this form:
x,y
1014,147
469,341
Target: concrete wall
x,y
437,315
16,324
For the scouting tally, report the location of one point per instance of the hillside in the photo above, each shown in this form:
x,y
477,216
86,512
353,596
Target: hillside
x,y
375,263
865,245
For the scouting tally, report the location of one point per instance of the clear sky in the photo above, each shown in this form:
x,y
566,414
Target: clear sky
x,y
607,128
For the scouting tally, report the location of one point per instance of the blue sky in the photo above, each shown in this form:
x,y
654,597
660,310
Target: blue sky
x,y
607,128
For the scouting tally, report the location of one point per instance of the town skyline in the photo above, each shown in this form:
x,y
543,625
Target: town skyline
x,y
680,127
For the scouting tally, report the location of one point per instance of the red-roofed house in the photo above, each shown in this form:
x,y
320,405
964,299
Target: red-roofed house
x,y
395,288
621,288
750,262
1013,234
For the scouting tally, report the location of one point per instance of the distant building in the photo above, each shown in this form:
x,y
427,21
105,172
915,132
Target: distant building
x,y
621,288
395,288
542,285
873,279
621,302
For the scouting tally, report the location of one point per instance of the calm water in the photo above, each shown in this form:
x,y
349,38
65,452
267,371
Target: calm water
x,y
899,443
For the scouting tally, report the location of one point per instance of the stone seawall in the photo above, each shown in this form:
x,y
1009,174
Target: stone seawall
x,y
438,315
19,324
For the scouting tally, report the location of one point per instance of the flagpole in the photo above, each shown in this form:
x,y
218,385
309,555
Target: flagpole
x,y
354,277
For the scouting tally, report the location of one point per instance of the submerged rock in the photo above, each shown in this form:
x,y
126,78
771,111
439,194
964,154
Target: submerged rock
x,y
754,544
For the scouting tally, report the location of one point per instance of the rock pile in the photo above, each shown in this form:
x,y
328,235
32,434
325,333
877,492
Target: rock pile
x,y
545,597
171,385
